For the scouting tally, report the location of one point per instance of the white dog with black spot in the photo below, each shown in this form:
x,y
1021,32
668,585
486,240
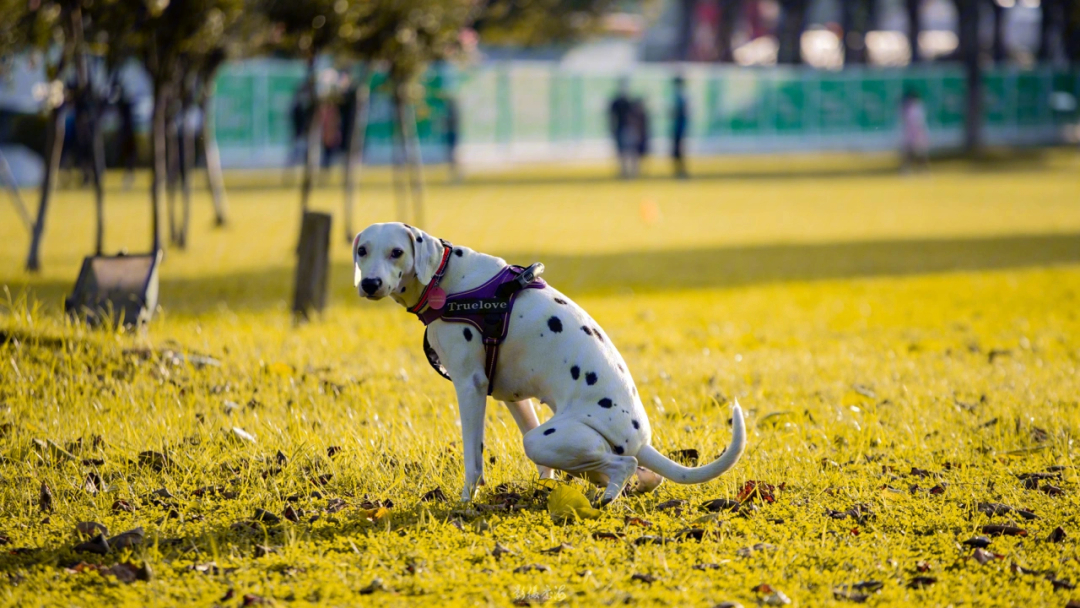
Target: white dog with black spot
x,y
550,350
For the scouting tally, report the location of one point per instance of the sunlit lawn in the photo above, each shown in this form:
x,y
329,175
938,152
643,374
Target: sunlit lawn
x,y
906,345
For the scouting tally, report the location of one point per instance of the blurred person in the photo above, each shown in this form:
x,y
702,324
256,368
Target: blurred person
x,y
639,134
125,139
452,139
330,123
916,136
680,120
299,115
621,133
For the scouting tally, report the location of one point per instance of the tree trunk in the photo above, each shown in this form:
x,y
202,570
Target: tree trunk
x,y
400,191
914,27
356,150
172,155
998,51
54,147
729,18
8,179
792,23
160,168
187,163
685,42
214,178
855,21
968,16
1047,25
86,124
312,158
411,137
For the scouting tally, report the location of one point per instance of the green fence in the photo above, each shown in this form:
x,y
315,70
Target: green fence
x,y
539,109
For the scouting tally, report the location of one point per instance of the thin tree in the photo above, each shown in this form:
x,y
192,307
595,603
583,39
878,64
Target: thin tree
x,y
968,34
914,27
46,30
12,42
792,24
307,29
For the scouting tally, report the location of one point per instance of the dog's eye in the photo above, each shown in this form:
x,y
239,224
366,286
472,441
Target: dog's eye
x,y
361,252
396,253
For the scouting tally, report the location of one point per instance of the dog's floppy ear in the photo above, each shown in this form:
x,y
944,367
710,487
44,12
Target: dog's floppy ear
x,y
427,254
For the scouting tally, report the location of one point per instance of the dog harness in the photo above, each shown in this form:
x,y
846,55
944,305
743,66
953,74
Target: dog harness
x,y
487,308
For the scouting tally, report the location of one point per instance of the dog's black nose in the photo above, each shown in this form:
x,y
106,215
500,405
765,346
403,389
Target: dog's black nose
x,y
370,286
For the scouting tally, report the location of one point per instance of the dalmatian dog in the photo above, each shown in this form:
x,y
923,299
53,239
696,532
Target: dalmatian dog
x,y
553,352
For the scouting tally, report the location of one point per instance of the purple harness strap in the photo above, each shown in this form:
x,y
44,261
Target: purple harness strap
x,y
483,308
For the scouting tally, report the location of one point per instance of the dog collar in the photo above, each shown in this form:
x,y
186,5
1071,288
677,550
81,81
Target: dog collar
x,y
431,287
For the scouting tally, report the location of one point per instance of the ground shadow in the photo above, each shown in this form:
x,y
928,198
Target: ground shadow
x,y
647,271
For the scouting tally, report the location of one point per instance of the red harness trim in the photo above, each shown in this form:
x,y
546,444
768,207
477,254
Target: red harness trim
x,y
434,280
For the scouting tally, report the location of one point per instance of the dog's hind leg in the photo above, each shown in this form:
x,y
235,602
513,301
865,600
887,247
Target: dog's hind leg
x,y
579,449
525,416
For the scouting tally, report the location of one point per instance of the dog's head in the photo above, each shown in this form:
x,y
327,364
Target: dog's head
x,y
389,258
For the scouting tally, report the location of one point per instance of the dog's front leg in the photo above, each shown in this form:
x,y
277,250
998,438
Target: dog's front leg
x,y
472,400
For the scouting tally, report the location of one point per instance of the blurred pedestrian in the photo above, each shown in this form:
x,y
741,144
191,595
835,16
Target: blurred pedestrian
x,y
680,120
299,115
916,136
639,135
619,123
125,136
452,138
330,122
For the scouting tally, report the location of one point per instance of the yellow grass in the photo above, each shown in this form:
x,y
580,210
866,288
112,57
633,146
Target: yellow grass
x,y
868,322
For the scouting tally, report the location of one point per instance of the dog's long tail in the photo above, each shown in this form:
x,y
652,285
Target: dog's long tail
x,y
665,467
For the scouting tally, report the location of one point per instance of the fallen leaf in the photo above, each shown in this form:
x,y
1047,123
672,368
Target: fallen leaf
x,y
709,566
333,450
980,542
1002,530
649,539
292,514
501,550
637,521
644,578
45,497
566,502
436,495
98,545
155,460
335,504
984,557
1060,584
122,505
1052,490
755,548
1058,535
607,535
919,582
374,515
90,528
266,517
241,435
127,540
559,548
755,490
671,504
687,457
721,504
531,568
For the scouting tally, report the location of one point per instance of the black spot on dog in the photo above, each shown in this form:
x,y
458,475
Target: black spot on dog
x,y
419,239
621,369
590,378
468,334
560,301
606,403
596,332
549,431
586,330
575,372
618,449
459,252
637,425
555,325
634,389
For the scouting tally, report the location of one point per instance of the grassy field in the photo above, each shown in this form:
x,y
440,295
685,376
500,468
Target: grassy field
x,y
906,348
